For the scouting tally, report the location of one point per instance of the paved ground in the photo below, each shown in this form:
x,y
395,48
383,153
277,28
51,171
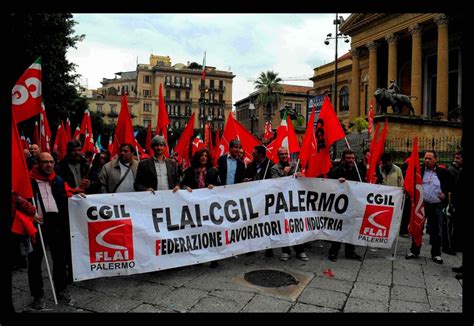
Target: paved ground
x,y
375,285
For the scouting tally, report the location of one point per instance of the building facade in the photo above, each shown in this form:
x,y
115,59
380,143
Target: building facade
x,y
183,90
421,52
252,115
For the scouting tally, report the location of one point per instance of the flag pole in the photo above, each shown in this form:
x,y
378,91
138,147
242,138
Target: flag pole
x,y
393,257
266,169
357,169
138,154
46,259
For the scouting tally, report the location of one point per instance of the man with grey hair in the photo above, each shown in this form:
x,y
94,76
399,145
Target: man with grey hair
x,y
157,172
231,168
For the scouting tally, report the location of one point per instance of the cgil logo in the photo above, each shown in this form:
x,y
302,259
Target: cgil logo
x,y
376,221
110,241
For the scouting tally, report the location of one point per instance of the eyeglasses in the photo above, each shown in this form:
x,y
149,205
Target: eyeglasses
x,y
46,162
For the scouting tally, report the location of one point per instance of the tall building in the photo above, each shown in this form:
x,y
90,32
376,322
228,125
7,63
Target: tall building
x,y
252,115
422,52
183,90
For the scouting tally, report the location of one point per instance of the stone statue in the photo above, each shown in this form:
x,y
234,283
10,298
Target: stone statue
x,y
391,97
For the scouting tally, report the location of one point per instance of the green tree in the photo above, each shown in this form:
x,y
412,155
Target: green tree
x,y
359,124
48,35
269,91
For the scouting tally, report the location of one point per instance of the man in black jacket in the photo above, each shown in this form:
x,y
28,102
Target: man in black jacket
x,y
344,171
231,168
158,172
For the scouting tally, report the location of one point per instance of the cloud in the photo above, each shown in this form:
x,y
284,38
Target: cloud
x,y
290,44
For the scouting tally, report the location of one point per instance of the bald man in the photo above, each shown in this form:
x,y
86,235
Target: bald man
x,y
51,200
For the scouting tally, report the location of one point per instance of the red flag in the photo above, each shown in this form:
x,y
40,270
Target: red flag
x,y
163,120
413,185
197,144
68,130
60,142
309,142
203,75
270,149
45,131
24,143
207,135
124,128
86,125
182,147
20,176
77,133
328,131
36,138
376,151
286,137
234,130
27,94
217,150
268,133
371,117
148,141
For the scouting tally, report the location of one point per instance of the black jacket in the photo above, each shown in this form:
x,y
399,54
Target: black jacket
x,y
62,169
146,175
340,171
190,178
252,173
222,167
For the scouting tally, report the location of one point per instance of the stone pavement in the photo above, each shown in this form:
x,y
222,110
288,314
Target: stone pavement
x,y
375,285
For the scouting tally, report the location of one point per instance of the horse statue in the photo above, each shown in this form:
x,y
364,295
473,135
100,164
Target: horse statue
x,y
385,98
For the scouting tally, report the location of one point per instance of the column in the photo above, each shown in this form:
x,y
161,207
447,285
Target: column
x,y
392,58
416,69
354,105
372,46
442,66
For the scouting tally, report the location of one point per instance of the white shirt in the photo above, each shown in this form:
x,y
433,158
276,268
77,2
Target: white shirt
x,y
161,175
431,187
47,197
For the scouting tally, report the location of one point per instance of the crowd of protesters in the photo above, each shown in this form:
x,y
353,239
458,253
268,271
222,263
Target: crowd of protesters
x,y
53,182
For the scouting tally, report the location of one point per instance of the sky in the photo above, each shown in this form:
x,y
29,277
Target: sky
x,y
245,44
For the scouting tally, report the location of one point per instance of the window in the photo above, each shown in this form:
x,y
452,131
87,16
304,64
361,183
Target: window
x,y
147,79
168,80
187,95
176,110
176,124
188,83
146,123
298,108
344,99
177,81
147,93
212,84
168,109
113,108
221,84
221,98
178,95
201,111
187,110
147,107
99,108
168,94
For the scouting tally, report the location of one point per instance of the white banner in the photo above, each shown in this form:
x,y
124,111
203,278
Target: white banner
x,y
138,232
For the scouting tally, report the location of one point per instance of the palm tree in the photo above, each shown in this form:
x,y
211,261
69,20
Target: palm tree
x,y
269,91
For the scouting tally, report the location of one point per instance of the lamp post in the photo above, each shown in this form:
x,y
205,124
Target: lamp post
x,y
338,21
252,116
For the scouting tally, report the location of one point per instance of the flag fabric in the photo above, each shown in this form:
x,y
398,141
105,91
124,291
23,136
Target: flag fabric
x,y
60,142
27,93
371,118
234,130
163,120
203,75
68,130
197,144
86,125
376,151
98,145
24,142
36,138
20,176
309,142
207,135
328,131
286,137
77,133
45,131
182,147
148,141
413,185
124,128
268,133
216,152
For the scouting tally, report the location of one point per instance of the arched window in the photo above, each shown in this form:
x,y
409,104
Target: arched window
x,y
344,99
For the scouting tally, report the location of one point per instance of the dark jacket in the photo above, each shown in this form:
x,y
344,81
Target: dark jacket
x,y
340,171
62,169
222,167
146,175
190,178
252,173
